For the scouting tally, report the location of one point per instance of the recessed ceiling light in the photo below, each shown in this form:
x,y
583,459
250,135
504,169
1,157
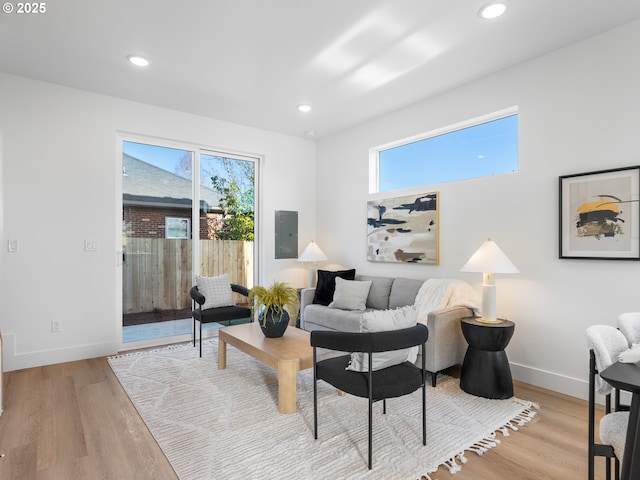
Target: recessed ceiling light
x,y
492,10
138,60
304,108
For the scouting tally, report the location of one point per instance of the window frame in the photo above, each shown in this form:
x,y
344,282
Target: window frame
x,y
374,152
171,219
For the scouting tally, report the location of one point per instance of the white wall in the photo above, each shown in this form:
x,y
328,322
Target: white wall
x,y
59,178
579,110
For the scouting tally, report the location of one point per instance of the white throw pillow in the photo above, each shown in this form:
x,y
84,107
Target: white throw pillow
x,y
350,294
382,321
216,290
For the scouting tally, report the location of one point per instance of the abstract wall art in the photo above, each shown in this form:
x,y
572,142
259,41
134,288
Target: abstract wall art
x,y
600,214
404,229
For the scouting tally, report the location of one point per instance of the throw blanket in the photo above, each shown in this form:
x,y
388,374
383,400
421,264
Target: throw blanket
x,y
608,343
439,293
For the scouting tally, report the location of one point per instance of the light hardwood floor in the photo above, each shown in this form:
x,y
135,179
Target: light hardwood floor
x,y
74,421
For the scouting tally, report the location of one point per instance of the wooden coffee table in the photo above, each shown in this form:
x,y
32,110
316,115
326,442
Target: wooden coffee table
x,y
287,354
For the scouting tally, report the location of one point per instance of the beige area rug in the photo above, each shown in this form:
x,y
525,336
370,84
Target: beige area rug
x,y
224,424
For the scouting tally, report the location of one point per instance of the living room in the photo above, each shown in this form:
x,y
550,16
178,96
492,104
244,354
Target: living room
x,y
578,108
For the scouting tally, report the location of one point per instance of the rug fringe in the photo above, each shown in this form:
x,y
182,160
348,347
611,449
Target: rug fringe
x,y
490,441
165,348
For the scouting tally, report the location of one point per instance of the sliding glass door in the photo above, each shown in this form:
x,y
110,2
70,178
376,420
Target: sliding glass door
x,y
185,212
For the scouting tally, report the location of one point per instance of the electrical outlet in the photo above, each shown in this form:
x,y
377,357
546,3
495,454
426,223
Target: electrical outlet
x,y
56,326
91,245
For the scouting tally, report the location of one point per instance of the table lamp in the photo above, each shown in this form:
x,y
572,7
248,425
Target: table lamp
x,y
489,260
312,254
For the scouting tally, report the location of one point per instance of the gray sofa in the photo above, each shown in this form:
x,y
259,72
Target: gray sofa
x,y
446,345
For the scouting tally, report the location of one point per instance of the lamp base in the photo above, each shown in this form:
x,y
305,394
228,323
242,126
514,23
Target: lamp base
x,y
486,320
312,271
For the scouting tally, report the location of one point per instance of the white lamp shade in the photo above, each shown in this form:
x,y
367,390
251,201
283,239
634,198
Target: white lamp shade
x,y
489,258
312,253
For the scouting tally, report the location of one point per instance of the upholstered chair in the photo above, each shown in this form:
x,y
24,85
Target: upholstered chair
x,y
605,345
380,374
224,313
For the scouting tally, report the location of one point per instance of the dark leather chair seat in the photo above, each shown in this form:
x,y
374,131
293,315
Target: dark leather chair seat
x,y
219,314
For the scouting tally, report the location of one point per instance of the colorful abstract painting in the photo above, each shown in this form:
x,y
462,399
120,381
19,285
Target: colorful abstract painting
x,y
404,229
600,216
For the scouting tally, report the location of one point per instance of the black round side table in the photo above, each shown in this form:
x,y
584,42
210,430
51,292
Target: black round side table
x,y
485,370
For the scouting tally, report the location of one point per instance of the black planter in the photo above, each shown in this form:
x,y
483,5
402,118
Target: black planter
x,y
276,323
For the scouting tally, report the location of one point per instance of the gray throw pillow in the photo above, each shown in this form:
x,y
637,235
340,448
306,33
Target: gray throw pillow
x,y
350,294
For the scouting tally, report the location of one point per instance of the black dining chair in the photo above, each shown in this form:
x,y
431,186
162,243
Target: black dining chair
x,y
605,345
375,385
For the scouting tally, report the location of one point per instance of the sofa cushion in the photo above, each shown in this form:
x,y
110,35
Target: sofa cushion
x,y
403,292
350,294
327,284
216,290
378,297
324,318
382,321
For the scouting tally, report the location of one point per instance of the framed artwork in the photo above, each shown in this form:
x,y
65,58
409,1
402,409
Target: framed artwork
x,y
404,229
600,215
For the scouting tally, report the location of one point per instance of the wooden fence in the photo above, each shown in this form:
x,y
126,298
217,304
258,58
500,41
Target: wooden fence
x,y
157,273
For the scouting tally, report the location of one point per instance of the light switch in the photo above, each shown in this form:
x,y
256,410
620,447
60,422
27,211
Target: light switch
x,y
12,246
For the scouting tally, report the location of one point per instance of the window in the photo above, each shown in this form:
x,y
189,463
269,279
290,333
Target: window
x,y
177,227
480,147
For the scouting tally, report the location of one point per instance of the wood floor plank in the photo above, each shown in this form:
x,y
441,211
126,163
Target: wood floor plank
x,y
19,463
22,396
74,421
59,412
117,431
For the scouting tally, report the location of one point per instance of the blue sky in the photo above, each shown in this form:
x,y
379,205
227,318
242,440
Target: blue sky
x,y
165,158
169,159
480,150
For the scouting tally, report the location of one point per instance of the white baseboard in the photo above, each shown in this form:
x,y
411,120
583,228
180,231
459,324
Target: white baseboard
x,y
575,387
18,361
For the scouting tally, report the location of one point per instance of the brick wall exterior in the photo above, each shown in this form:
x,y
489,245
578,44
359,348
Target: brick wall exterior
x,y
149,222
209,223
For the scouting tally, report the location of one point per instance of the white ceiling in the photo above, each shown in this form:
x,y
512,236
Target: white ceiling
x,y
252,62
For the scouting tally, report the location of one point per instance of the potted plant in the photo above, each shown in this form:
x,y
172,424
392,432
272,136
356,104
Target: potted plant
x,y
275,304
